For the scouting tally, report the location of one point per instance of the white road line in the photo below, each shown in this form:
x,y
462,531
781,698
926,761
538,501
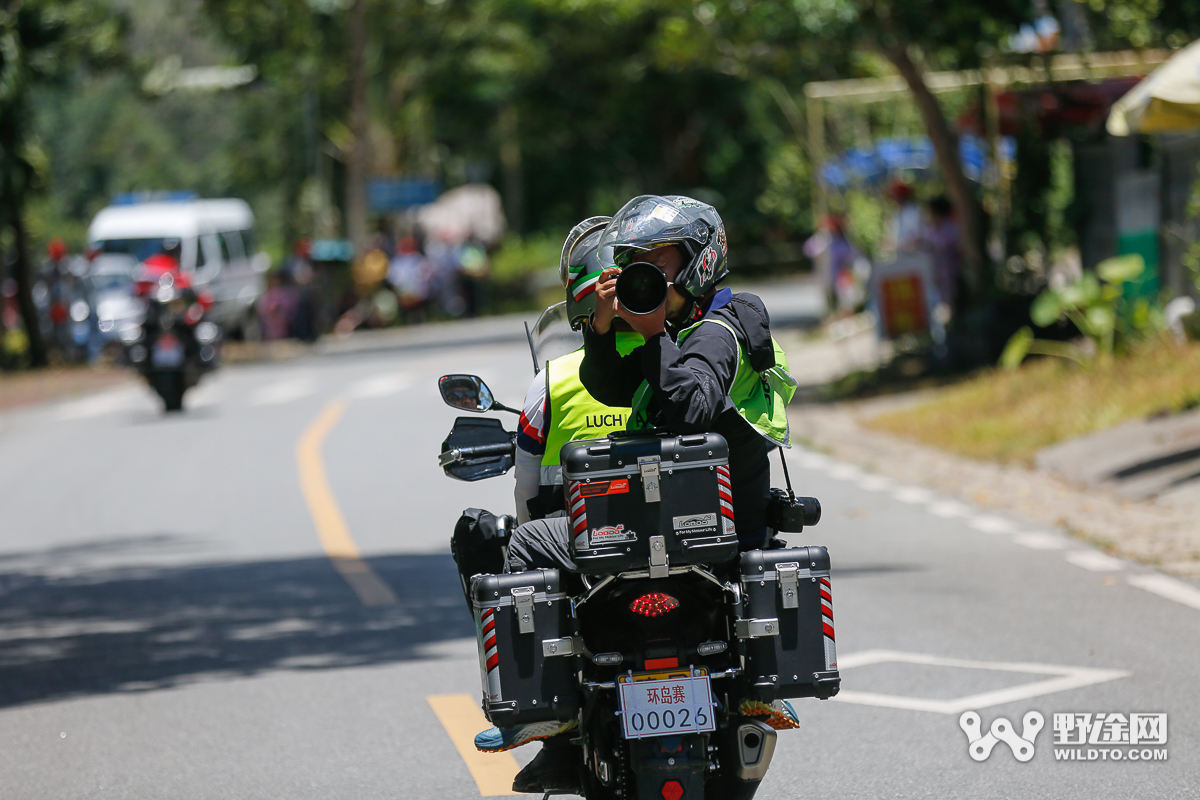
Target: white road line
x,y
988,524
284,392
875,483
1169,588
811,460
1094,561
845,472
914,495
206,394
1064,678
379,386
102,403
949,509
1040,541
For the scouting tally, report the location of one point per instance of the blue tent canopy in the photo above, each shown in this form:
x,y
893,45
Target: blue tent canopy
x,y
874,164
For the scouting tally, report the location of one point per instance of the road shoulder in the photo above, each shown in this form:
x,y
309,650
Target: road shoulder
x,y
1160,532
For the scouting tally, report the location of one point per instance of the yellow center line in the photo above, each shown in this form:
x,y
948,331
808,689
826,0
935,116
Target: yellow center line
x,y
462,719
327,517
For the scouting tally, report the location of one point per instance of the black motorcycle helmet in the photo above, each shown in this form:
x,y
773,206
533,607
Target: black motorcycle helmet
x,y
580,265
649,222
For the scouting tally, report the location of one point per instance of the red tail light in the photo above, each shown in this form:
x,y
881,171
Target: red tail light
x,y
672,790
654,604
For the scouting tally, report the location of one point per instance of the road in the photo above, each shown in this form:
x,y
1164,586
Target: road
x,y
255,599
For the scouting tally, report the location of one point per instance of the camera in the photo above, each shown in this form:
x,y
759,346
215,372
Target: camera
x,y
641,288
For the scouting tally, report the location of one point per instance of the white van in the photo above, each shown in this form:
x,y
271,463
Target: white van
x,y
218,248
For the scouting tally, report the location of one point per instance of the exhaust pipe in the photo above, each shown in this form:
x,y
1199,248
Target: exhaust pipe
x,y
755,747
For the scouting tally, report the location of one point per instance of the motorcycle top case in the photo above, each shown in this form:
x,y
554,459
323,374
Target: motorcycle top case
x,y
649,502
784,623
522,621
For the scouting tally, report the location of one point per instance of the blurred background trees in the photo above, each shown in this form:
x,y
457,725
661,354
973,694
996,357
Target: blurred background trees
x,y
568,107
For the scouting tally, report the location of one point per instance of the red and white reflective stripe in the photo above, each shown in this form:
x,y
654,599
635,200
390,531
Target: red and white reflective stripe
x,y
725,492
827,608
491,653
578,509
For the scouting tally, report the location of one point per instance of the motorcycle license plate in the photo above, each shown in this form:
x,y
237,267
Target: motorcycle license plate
x,y
666,703
167,353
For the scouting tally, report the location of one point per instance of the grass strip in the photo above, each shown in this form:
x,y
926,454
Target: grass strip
x,y
1009,416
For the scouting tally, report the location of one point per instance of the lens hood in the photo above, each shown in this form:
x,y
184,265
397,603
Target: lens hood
x,y
641,288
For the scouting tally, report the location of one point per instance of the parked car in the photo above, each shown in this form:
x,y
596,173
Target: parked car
x,y
218,249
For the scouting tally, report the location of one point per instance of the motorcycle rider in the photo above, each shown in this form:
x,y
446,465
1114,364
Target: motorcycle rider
x,y
709,363
557,410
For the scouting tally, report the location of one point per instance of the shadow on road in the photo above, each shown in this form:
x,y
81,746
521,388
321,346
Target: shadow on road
x,y
152,627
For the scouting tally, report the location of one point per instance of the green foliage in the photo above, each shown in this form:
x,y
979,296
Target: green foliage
x,y
517,257
1095,305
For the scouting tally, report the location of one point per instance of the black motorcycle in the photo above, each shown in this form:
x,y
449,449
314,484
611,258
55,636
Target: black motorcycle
x,y
175,344
669,645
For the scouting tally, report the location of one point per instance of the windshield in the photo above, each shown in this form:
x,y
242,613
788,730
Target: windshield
x,y
552,335
110,283
141,249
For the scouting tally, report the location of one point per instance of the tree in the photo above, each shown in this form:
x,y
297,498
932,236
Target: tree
x,y
39,41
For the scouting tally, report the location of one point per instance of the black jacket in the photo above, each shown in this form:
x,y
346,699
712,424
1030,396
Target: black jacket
x,y
690,391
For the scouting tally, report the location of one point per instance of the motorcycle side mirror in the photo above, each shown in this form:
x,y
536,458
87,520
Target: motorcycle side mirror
x,y
467,392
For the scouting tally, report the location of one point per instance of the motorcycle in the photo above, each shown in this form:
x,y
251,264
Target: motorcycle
x,y
667,629
175,345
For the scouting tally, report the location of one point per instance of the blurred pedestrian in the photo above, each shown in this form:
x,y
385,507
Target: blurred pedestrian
x,y
940,239
474,264
903,233
409,275
836,259
277,307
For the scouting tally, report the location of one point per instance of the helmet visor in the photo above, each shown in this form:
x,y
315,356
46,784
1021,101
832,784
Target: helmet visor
x,y
648,222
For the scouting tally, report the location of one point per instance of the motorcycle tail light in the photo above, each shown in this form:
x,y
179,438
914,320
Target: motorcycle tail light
x,y
654,604
672,790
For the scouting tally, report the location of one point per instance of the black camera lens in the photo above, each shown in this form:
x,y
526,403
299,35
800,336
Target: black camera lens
x,y
641,288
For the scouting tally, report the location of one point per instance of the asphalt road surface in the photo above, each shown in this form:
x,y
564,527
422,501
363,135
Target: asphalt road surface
x,y
255,599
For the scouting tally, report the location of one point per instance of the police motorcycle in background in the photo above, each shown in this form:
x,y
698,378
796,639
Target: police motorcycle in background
x,y
666,628
175,345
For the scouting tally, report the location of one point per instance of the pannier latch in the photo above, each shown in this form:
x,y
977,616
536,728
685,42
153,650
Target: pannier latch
x,y
523,605
757,628
567,646
650,478
789,586
658,556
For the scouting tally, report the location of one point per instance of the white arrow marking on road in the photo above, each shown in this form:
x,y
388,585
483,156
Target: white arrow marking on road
x,y
284,392
1065,678
379,386
1169,588
102,403
1096,562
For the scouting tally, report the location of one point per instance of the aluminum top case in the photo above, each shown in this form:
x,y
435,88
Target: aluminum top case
x,y
649,502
